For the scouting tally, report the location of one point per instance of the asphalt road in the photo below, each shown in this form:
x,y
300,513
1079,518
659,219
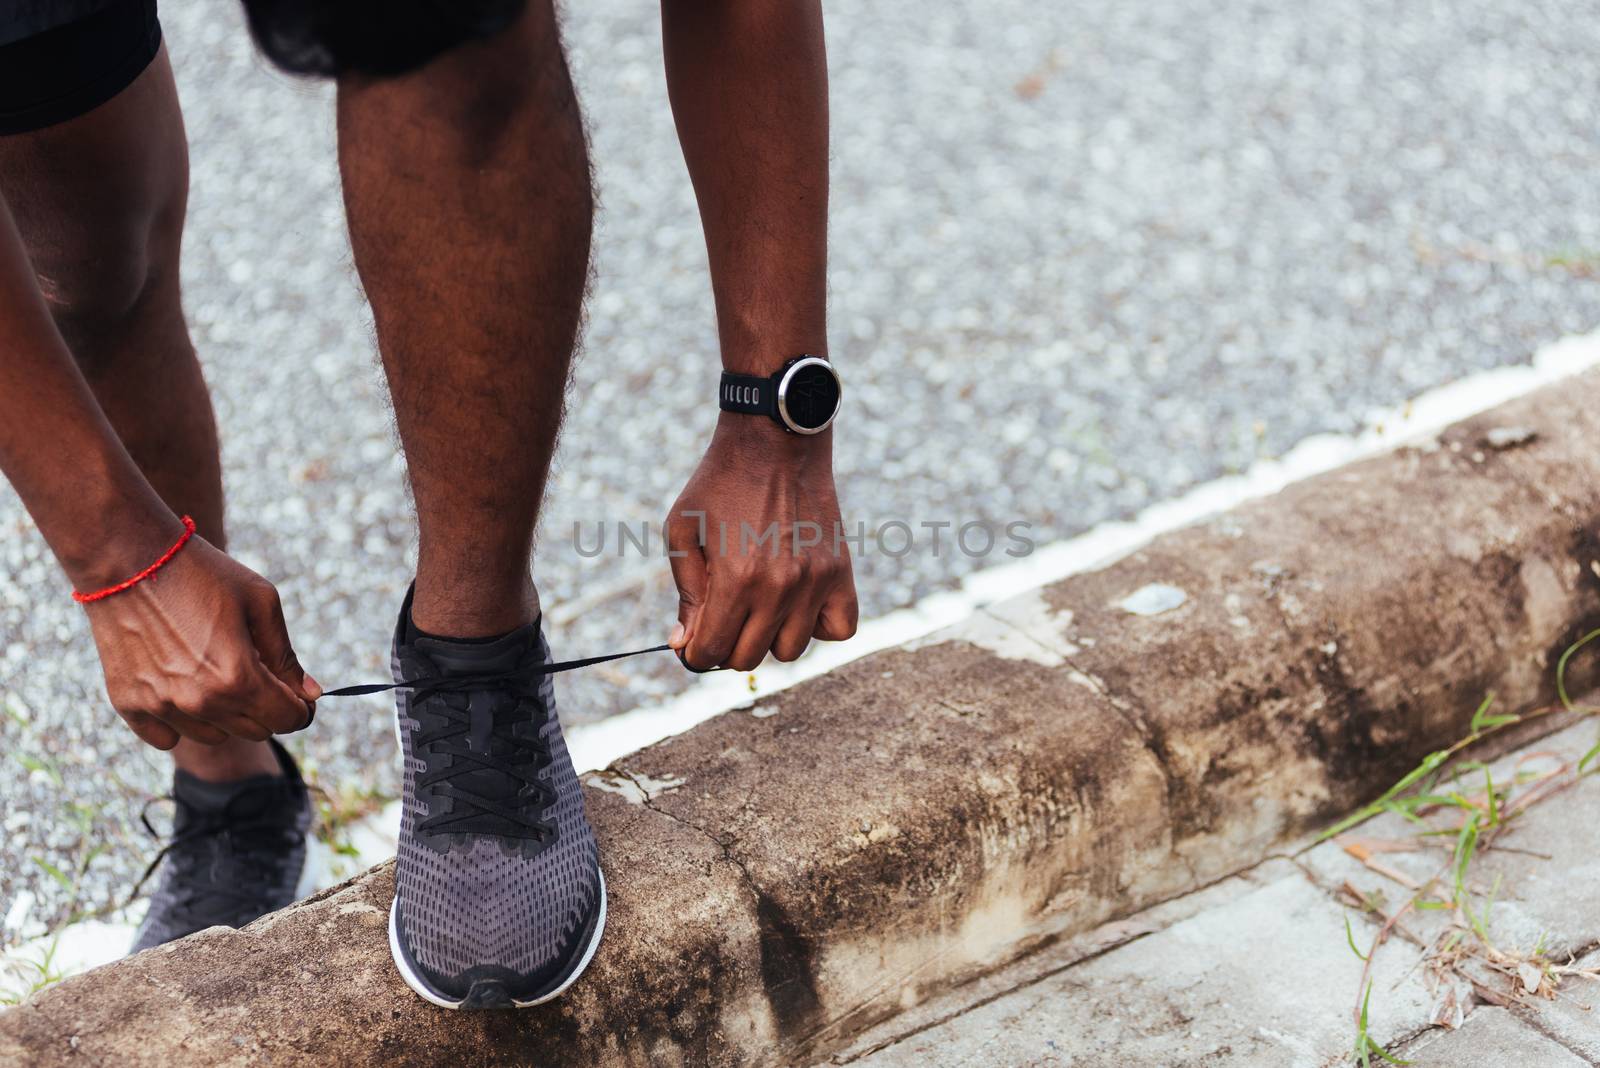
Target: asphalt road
x,y
1085,256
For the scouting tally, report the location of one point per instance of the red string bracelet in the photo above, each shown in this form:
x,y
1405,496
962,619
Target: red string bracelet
x,y
99,595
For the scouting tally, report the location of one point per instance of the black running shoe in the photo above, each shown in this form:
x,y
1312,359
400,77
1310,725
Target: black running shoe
x,y
237,852
499,901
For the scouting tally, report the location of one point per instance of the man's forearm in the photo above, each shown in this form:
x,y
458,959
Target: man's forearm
x,y
749,86
94,507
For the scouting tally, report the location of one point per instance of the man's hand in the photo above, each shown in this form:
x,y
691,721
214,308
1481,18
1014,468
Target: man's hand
x,y
740,596
200,650
749,89
197,650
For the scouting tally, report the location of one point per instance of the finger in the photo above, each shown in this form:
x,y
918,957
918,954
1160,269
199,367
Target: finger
x,y
152,731
281,701
754,641
264,613
278,708
256,694
839,615
244,727
716,629
688,561
794,634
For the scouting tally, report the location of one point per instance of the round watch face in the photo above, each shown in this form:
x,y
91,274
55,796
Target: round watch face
x,y
809,395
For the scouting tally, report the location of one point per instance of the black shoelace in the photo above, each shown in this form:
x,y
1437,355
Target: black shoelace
x,y
267,835
465,737
211,890
542,669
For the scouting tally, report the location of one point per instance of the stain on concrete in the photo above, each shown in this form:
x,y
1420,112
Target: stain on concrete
x,y
787,971
1020,628
1153,599
635,787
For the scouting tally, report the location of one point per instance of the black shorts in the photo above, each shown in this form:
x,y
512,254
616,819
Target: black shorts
x,y
62,58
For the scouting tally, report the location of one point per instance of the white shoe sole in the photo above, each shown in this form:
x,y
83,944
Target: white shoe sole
x,y
420,988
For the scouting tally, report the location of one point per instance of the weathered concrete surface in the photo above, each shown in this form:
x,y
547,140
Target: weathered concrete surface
x,y
954,1005
1256,971
1572,1020
1493,1036
1247,984
786,876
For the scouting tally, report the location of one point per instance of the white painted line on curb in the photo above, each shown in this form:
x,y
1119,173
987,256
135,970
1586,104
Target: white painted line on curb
x,y
597,745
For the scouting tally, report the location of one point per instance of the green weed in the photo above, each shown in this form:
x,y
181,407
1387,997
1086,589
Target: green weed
x,y
1472,824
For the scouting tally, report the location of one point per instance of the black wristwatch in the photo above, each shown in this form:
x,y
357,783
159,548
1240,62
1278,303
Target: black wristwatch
x,y
802,397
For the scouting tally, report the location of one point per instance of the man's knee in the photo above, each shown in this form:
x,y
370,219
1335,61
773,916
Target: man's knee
x,y
99,278
484,92
103,284
99,201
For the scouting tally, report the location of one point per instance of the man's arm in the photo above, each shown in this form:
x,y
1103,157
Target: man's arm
x,y
749,86
202,652
91,503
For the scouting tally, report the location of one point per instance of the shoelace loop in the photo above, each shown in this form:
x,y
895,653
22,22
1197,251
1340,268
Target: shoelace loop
x,y
233,830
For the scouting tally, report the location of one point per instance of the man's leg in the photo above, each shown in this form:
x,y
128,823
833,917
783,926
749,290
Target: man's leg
x,y
468,192
467,188
100,202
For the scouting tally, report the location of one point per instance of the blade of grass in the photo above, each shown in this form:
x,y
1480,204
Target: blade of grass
x,y
1482,721
1429,763
1561,668
1349,936
1365,1046
54,872
1466,846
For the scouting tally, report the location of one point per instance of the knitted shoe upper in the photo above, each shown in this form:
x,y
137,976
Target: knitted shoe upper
x,y
237,852
497,869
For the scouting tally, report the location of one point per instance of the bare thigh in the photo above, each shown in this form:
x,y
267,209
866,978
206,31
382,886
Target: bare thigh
x,y
100,201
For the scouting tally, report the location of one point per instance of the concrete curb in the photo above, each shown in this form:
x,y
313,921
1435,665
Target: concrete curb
x,y
783,877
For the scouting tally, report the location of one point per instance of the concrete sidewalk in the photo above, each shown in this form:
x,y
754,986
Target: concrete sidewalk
x,y
1257,970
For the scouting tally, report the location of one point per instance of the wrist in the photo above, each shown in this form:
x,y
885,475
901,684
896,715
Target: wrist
x,y
765,359
126,537
758,436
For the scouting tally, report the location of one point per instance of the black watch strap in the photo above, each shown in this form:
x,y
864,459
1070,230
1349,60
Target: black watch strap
x,y
802,397
750,394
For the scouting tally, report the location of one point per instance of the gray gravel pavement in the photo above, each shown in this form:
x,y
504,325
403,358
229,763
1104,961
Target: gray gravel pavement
x,y
1084,256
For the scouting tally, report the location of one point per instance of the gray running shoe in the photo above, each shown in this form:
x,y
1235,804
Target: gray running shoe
x,y
237,852
499,901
